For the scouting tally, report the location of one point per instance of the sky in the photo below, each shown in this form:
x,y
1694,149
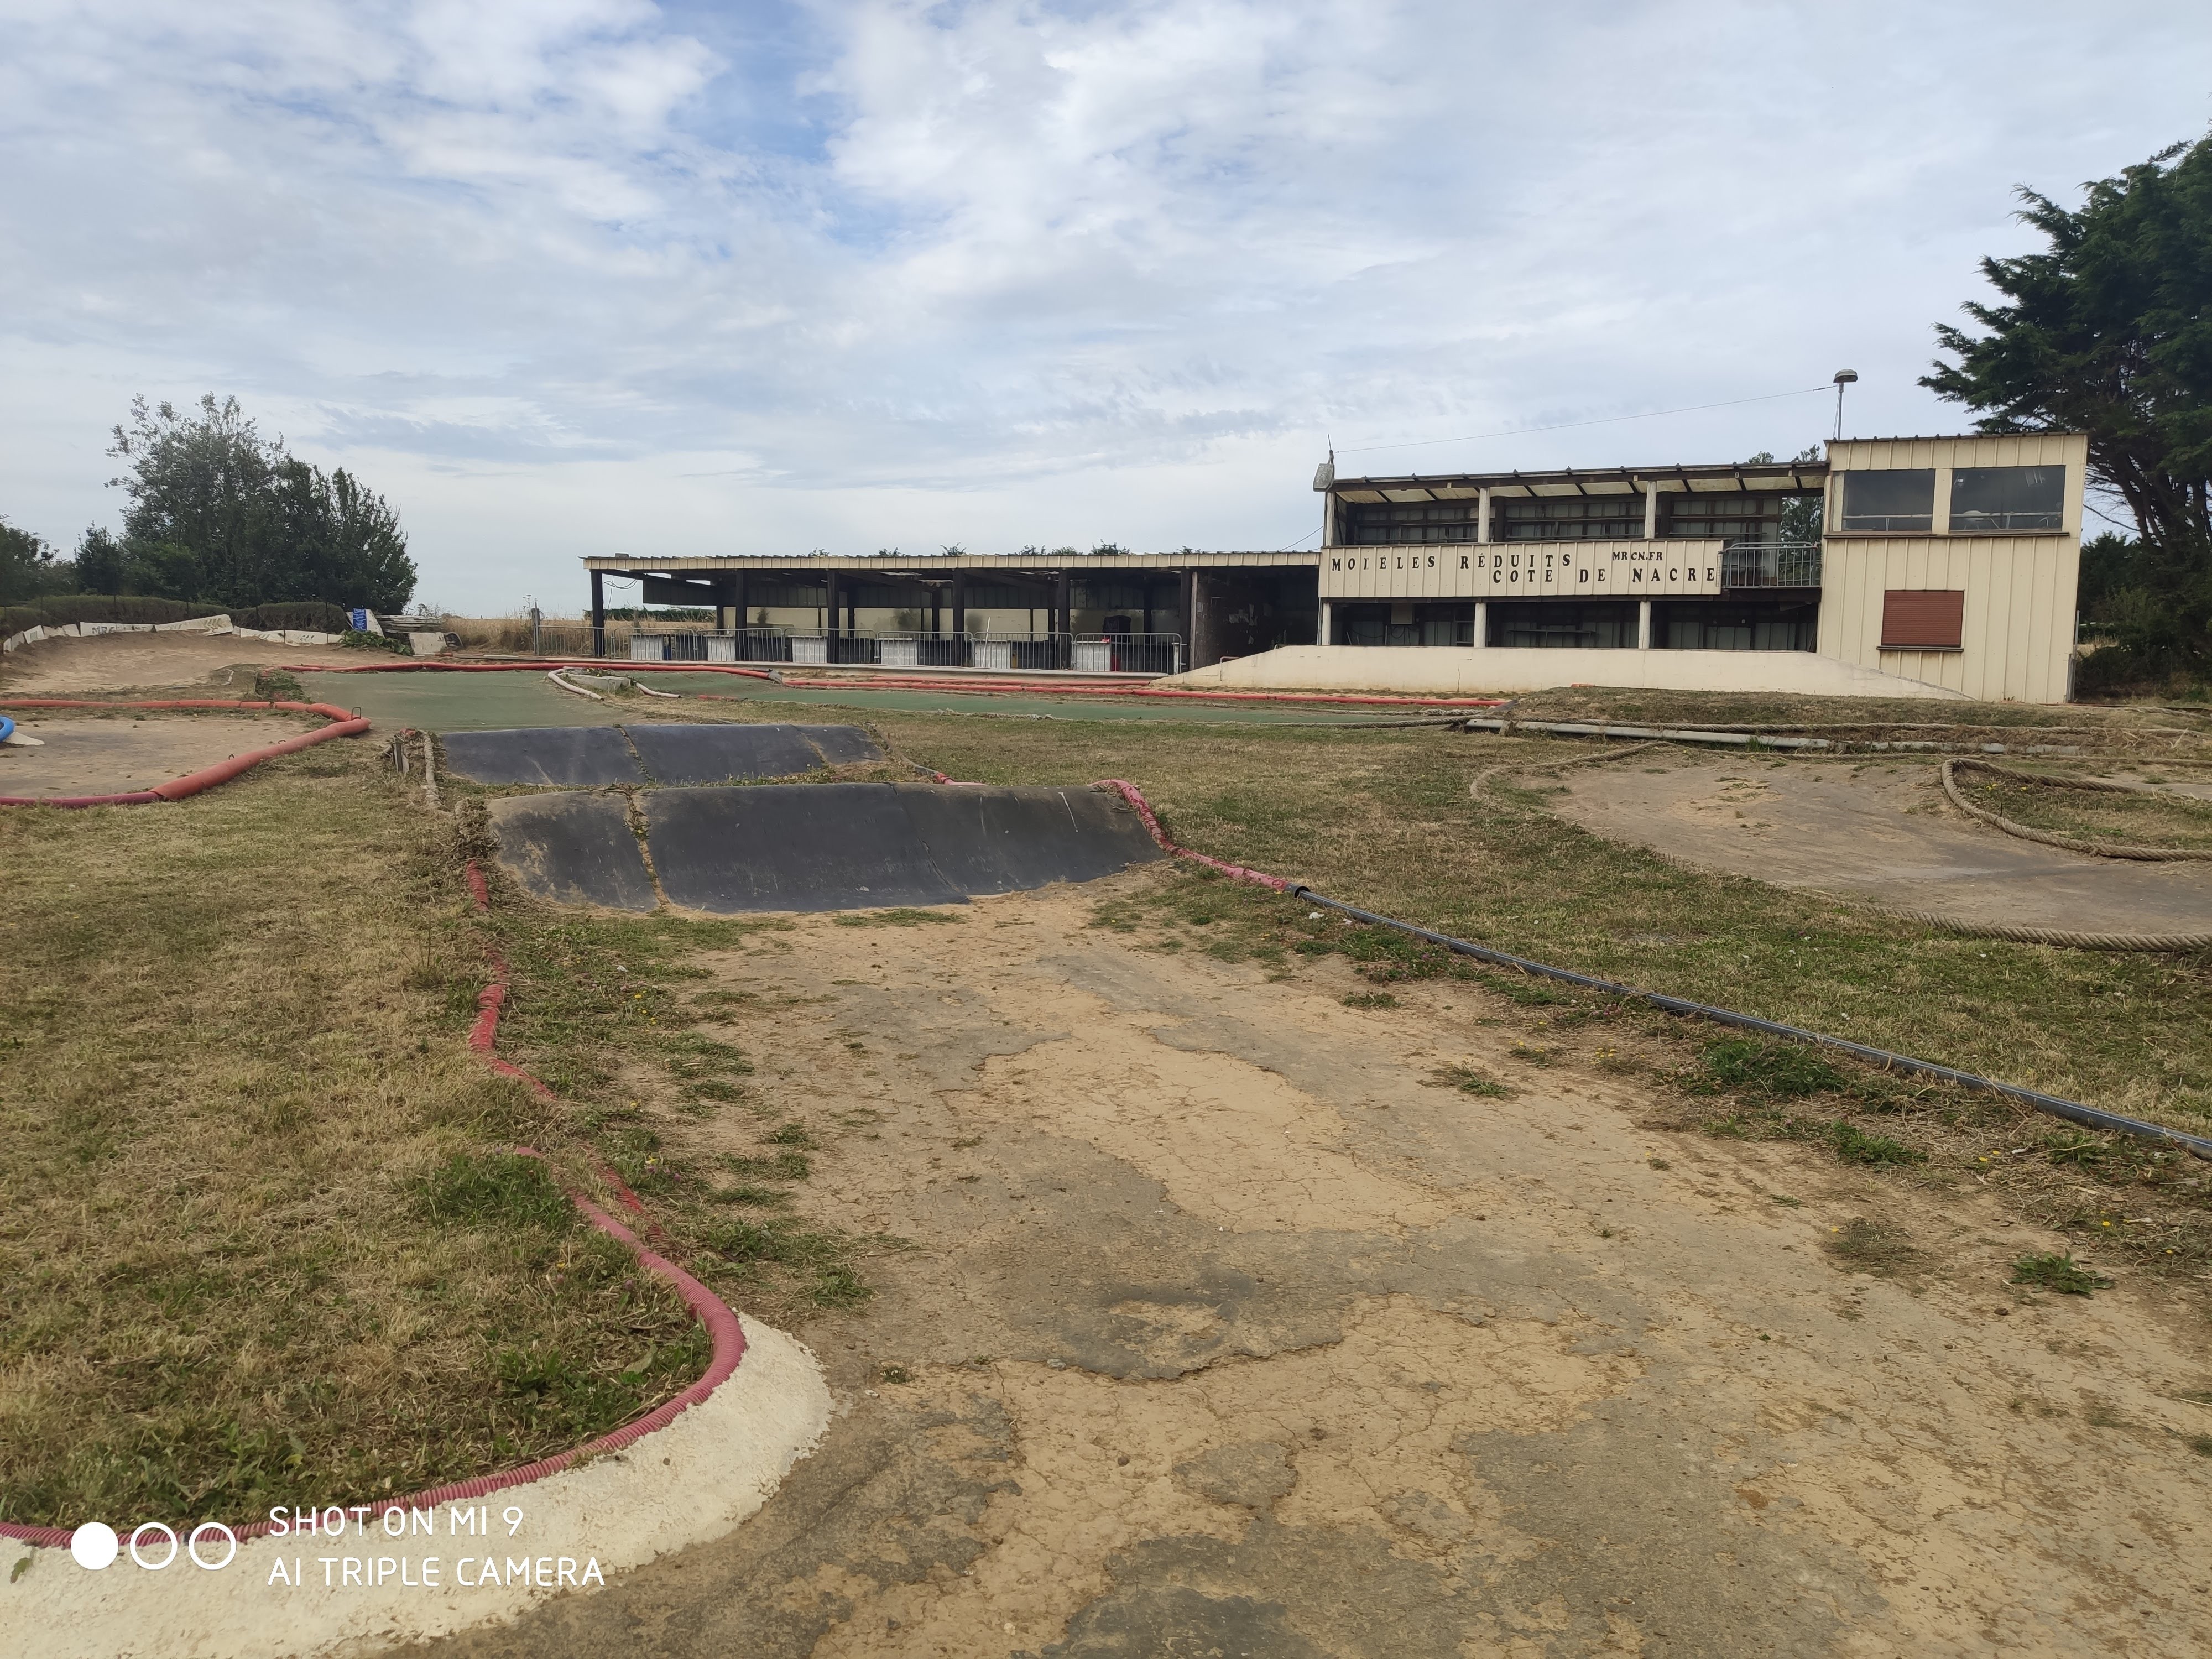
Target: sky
x,y
567,277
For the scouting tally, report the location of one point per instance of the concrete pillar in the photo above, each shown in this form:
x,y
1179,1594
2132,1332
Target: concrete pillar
x,y
599,613
1481,623
1327,637
1482,517
830,597
1651,511
1644,624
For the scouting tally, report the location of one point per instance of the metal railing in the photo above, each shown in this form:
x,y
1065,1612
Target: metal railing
x,y
1771,564
1090,653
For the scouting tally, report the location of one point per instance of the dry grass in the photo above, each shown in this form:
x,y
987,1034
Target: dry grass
x,y
1384,819
2173,821
259,1234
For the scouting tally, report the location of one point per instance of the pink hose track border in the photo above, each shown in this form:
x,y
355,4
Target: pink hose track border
x,y
727,1334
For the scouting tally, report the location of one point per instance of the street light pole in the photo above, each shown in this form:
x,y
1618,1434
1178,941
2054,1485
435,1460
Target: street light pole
x,y
1843,377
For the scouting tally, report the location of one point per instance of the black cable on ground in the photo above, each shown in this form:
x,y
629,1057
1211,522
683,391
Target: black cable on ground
x,y
2073,1110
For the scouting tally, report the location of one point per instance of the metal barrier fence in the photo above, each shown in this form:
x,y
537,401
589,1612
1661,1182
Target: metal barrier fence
x,y
1088,653
1771,564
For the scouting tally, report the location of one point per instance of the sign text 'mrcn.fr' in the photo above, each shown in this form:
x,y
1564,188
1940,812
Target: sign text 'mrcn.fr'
x,y
1628,570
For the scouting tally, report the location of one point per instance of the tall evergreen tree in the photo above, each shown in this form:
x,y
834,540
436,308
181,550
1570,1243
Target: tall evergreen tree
x,y
2108,332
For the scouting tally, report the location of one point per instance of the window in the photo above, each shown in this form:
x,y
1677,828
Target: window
x,y
1924,619
1449,521
1597,624
2007,498
1730,518
1890,501
1566,517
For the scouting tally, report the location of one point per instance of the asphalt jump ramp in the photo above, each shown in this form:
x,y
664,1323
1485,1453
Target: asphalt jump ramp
x,y
593,756
813,847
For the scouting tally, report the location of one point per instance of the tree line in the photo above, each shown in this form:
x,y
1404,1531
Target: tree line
x,y
217,513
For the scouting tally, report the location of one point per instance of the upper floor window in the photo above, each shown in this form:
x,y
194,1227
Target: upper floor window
x,y
1896,502
2007,498
1567,518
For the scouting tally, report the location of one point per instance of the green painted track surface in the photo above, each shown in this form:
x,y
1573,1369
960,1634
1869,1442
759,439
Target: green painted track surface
x,y
482,702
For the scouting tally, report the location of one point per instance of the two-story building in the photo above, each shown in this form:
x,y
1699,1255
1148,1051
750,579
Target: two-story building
x,y
1926,566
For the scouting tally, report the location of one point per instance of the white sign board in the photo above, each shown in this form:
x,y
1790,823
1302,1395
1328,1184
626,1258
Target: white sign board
x,y
1532,570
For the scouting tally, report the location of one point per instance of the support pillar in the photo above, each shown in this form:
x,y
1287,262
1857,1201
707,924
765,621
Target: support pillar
x,y
829,603
1482,517
1063,596
1651,511
960,607
1328,634
1481,623
599,613
1644,624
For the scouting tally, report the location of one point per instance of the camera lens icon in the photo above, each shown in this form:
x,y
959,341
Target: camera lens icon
x,y
93,1546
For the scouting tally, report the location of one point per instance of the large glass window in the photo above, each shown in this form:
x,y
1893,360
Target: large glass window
x,y
1894,501
1445,521
1691,625
2007,498
1596,624
1566,517
1729,518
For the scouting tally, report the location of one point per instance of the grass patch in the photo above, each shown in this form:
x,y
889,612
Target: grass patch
x,y
892,918
2059,1273
1370,999
1868,1246
1763,1069
1468,1081
261,1233
1855,1146
2171,821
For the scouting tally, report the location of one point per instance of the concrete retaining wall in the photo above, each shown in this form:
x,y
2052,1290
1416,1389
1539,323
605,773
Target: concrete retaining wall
x,y
1464,671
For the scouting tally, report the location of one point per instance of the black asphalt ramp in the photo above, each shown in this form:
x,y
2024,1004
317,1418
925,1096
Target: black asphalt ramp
x,y
579,757
693,754
573,849
862,846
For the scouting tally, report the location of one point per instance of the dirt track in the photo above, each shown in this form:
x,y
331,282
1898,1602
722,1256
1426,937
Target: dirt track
x,y
113,755
125,662
1882,830
1227,1333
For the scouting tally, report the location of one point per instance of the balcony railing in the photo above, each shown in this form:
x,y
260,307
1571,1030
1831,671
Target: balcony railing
x,y
1084,653
1771,564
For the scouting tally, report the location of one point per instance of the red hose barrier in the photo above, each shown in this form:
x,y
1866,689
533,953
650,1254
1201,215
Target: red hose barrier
x,y
343,724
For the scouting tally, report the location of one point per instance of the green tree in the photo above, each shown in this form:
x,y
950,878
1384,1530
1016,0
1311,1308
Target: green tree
x,y
27,566
100,562
218,512
2106,332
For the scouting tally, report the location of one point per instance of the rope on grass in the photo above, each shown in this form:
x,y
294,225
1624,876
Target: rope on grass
x,y
2059,936
2102,849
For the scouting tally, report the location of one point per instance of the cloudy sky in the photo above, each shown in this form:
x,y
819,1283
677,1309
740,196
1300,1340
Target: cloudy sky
x,y
574,276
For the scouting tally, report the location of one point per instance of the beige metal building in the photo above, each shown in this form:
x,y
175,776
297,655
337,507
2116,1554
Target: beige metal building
x,y
1896,566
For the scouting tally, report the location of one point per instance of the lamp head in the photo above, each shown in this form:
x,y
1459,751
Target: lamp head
x,y
1846,376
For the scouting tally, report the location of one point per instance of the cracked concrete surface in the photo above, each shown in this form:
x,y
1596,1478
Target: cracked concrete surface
x,y
1229,1334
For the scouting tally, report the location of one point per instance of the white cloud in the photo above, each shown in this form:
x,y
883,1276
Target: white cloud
x,y
561,275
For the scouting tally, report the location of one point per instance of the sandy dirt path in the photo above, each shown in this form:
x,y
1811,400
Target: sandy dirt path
x,y
125,662
1225,1331
115,754
1883,831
